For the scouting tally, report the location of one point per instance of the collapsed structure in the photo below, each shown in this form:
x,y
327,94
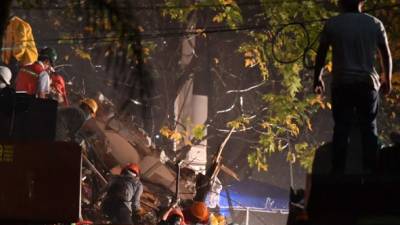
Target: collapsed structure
x,y
107,142
107,145
114,144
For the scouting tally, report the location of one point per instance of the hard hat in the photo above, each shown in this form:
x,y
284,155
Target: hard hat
x,y
92,104
199,210
133,167
176,213
5,73
49,53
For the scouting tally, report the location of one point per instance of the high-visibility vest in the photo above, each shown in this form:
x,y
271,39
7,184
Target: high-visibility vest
x,y
27,78
58,87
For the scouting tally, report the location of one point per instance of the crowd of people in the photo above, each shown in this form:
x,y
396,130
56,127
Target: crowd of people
x,y
38,79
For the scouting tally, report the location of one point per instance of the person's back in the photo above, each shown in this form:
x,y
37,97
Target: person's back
x,y
18,42
354,38
28,77
120,187
122,200
69,121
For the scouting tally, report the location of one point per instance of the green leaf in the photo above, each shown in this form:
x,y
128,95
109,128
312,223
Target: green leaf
x,y
199,131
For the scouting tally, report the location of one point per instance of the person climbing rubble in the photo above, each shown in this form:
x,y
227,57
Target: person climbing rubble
x,y
173,216
34,79
122,200
196,213
192,213
72,118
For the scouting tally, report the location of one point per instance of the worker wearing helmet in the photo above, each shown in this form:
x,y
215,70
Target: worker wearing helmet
x,y
173,216
122,200
90,106
34,79
196,213
5,77
58,91
71,119
5,81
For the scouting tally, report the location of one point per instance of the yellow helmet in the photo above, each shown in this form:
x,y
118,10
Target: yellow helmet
x,y
92,104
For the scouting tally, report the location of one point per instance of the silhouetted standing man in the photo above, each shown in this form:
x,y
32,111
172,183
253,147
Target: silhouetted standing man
x,y
355,38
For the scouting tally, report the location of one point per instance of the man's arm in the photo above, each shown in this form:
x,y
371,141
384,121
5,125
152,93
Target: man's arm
x,y
387,67
319,86
136,197
43,88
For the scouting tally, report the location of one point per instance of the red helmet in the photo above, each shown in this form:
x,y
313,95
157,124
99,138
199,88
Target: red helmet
x,y
177,212
133,167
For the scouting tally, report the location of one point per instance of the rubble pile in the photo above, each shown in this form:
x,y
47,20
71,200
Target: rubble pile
x,y
110,143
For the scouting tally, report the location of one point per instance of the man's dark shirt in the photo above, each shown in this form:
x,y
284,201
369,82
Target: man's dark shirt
x,y
354,38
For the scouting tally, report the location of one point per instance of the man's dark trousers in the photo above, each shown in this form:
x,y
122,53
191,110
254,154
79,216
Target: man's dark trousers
x,y
117,212
359,101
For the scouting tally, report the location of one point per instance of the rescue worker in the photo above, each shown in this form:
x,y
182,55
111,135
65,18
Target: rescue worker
x,y
122,200
196,213
71,119
193,213
173,216
34,79
58,91
5,77
19,47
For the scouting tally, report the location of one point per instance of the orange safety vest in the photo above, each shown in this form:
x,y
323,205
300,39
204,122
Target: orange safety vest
x,y
58,86
27,78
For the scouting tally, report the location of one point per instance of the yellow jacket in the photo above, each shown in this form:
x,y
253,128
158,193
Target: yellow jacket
x,y
217,219
18,42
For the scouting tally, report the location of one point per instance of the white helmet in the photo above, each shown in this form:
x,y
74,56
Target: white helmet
x,y
5,73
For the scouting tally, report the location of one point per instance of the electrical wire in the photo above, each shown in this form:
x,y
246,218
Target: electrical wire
x,y
166,6
281,29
